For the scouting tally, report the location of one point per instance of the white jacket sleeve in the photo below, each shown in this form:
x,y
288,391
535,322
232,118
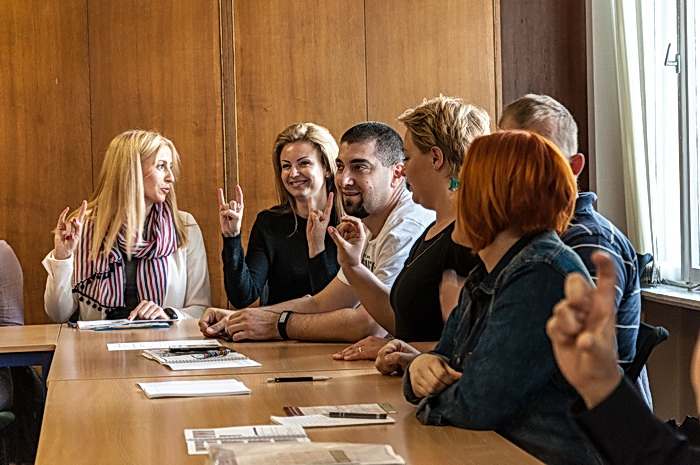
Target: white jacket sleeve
x,y
59,301
197,296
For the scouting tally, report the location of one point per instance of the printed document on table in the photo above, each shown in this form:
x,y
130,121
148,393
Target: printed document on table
x,y
324,421
212,387
197,439
163,344
351,408
321,453
92,324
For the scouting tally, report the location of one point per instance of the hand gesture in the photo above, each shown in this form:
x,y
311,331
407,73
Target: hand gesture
x,y
316,225
349,237
394,357
582,331
431,375
68,233
231,213
213,322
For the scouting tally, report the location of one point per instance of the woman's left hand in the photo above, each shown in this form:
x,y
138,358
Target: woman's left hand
x,y
366,349
316,225
148,310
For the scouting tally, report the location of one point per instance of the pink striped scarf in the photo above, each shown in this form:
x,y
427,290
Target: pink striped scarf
x,y
101,282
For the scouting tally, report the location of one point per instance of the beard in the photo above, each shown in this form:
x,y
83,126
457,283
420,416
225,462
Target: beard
x,y
357,210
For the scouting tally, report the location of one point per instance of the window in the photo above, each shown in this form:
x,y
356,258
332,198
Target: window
x,y
670,87
689,84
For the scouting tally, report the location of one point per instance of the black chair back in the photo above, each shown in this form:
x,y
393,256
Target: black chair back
x,y
648,337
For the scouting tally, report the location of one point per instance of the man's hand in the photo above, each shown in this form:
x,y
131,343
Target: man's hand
x,y
213,322
253,324
582,331
349,238
366,349
431,375
394,357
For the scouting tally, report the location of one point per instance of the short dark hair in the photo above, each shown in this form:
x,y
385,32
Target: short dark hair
x,y
388,143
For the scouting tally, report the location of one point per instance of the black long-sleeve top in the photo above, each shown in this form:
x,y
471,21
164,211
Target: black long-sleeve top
x,y
278,256
626,432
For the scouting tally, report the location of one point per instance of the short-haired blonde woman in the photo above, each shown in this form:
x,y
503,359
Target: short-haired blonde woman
x,y
129,252
493,368
438,132
289,251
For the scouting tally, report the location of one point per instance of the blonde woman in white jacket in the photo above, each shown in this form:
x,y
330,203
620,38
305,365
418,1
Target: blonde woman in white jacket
x,y
129,252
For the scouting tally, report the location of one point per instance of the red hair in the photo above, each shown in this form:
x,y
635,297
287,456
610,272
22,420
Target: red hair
x,y
513,180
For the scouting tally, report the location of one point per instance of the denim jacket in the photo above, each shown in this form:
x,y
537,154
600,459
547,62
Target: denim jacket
x,y
496,337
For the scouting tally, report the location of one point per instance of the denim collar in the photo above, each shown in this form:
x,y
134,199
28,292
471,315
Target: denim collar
x,y
480,279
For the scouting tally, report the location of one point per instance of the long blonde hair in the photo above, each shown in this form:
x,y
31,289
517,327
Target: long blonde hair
x,y
118,200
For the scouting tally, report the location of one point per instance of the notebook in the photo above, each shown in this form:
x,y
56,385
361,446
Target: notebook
x,y
198,361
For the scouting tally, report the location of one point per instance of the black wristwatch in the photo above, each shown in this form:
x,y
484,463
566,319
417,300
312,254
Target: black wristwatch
x,y
282,324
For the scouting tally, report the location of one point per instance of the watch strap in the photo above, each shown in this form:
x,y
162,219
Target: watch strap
x,y
282,324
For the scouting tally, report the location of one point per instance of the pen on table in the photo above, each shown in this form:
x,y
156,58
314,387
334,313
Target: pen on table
x,y
364,416
293,379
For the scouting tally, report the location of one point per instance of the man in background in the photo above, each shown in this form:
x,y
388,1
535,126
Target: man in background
x,y
589,230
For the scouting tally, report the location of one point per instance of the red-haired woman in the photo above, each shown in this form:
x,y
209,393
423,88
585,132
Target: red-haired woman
x,y
493,368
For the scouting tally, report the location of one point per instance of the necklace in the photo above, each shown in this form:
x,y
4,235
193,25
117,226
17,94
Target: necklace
x,y
435,241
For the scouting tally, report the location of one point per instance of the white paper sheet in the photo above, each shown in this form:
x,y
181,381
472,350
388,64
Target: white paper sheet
x,y
162,344
310,453
323,421
213,387
197,438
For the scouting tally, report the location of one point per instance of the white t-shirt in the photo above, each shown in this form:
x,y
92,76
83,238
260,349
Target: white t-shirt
x,y
386,254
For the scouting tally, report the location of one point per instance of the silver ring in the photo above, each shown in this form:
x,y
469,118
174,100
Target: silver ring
x,y
359,349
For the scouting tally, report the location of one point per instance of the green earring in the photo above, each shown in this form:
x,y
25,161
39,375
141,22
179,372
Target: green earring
x,y
454,184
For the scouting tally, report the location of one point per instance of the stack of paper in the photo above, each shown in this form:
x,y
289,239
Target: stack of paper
x,y
213,387
198,439
304,454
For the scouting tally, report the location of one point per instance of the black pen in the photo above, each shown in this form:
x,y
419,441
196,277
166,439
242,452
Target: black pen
x,y
363,416
293,379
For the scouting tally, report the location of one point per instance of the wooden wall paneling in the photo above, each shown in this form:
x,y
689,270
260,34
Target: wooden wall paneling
x,y
44,130
543,51
156,65
417,49
295,61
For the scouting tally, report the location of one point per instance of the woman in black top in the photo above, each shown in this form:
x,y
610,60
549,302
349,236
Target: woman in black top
x,y
289,253
438,133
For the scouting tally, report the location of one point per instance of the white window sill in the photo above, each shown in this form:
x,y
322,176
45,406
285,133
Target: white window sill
x,y
671,295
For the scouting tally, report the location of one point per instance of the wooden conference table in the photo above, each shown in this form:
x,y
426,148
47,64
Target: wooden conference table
x,y
96,413
29,346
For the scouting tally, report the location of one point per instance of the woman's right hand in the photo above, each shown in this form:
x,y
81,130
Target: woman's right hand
x,y
67,234
394,357
231,213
